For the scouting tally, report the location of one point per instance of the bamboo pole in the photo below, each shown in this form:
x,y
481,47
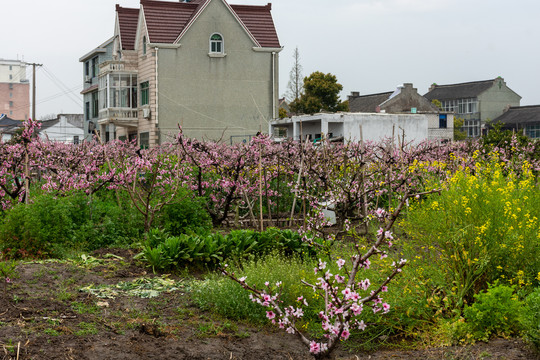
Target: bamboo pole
x,y
260,189
291,219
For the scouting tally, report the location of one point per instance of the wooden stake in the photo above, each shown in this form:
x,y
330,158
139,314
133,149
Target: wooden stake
x,y
362,181
260,189
291,219
26,177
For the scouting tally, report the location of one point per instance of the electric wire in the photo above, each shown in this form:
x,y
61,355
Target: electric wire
x,y
62,86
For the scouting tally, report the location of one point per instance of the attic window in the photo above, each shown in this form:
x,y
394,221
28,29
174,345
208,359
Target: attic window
x,y
216,44
144,45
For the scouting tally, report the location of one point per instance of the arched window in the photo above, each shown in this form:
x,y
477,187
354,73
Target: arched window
x,y
216,43
144,45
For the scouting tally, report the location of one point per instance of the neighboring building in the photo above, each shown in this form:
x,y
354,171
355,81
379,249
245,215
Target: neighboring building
x,y
66,128
8,126
525,119
283,104
413,128
406,100
206,65
475,102
91,62
14,89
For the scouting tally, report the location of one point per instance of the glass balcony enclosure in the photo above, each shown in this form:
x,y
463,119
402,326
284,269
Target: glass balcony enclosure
x,y
117,94
118,91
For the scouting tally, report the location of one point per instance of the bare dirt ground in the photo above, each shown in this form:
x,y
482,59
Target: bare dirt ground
x,y
44,315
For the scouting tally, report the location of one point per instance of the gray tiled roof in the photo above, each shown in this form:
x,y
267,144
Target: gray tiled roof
x,y
520,115
459,91
367,103
5,121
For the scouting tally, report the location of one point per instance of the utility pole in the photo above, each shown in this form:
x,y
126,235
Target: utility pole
x,y
26,167
34,89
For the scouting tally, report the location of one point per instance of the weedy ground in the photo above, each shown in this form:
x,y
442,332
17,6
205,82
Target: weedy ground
x,y
108,306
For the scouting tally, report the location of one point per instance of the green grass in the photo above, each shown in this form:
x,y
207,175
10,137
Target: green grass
x,y
87,329
83,308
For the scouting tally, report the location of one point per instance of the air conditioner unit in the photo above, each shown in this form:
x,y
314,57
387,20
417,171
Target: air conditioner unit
x,y
146,113
87,79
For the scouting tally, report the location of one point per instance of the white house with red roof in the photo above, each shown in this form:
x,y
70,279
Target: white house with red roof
x,y
206,65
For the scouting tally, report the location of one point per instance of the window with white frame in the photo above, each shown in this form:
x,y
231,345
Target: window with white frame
x,y
216,44
471,128
461,106
117,91
533,131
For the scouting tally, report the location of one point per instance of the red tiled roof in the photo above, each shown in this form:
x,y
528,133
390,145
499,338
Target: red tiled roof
x,y
128,20
166,20
258,20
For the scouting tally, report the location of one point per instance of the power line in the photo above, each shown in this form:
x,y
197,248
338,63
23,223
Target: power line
x,y
49,98
62,86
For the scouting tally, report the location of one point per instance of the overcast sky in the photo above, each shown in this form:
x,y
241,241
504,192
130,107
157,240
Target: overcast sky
x,y
370,45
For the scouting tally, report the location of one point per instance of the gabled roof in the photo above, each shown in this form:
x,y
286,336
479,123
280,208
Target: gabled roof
x,y
5,121
46,124
258,20
127,20
520,115
368,103
8,125
459,91
166,21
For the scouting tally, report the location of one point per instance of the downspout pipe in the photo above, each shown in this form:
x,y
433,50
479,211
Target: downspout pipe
x,y
273,91
273,85
157,97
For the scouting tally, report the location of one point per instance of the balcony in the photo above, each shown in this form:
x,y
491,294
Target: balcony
x,y
113,66
124,117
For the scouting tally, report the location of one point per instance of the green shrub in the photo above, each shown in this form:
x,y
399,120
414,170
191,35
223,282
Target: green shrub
x,y
495,312
108,224
531,318
39,229
52,226
186,216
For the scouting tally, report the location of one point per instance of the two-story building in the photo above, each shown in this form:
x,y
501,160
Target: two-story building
x,y
475,102
205,65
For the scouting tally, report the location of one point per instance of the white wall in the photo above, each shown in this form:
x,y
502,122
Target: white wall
x,y
63,131
375,127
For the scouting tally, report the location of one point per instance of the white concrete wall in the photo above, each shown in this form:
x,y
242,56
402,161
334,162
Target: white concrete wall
x,y
375,127
62,131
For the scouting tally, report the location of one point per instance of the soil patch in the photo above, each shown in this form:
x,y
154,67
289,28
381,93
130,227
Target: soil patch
x,y
45,315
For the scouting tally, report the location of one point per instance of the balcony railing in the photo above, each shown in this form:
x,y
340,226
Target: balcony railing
x,y
125,117
116,66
